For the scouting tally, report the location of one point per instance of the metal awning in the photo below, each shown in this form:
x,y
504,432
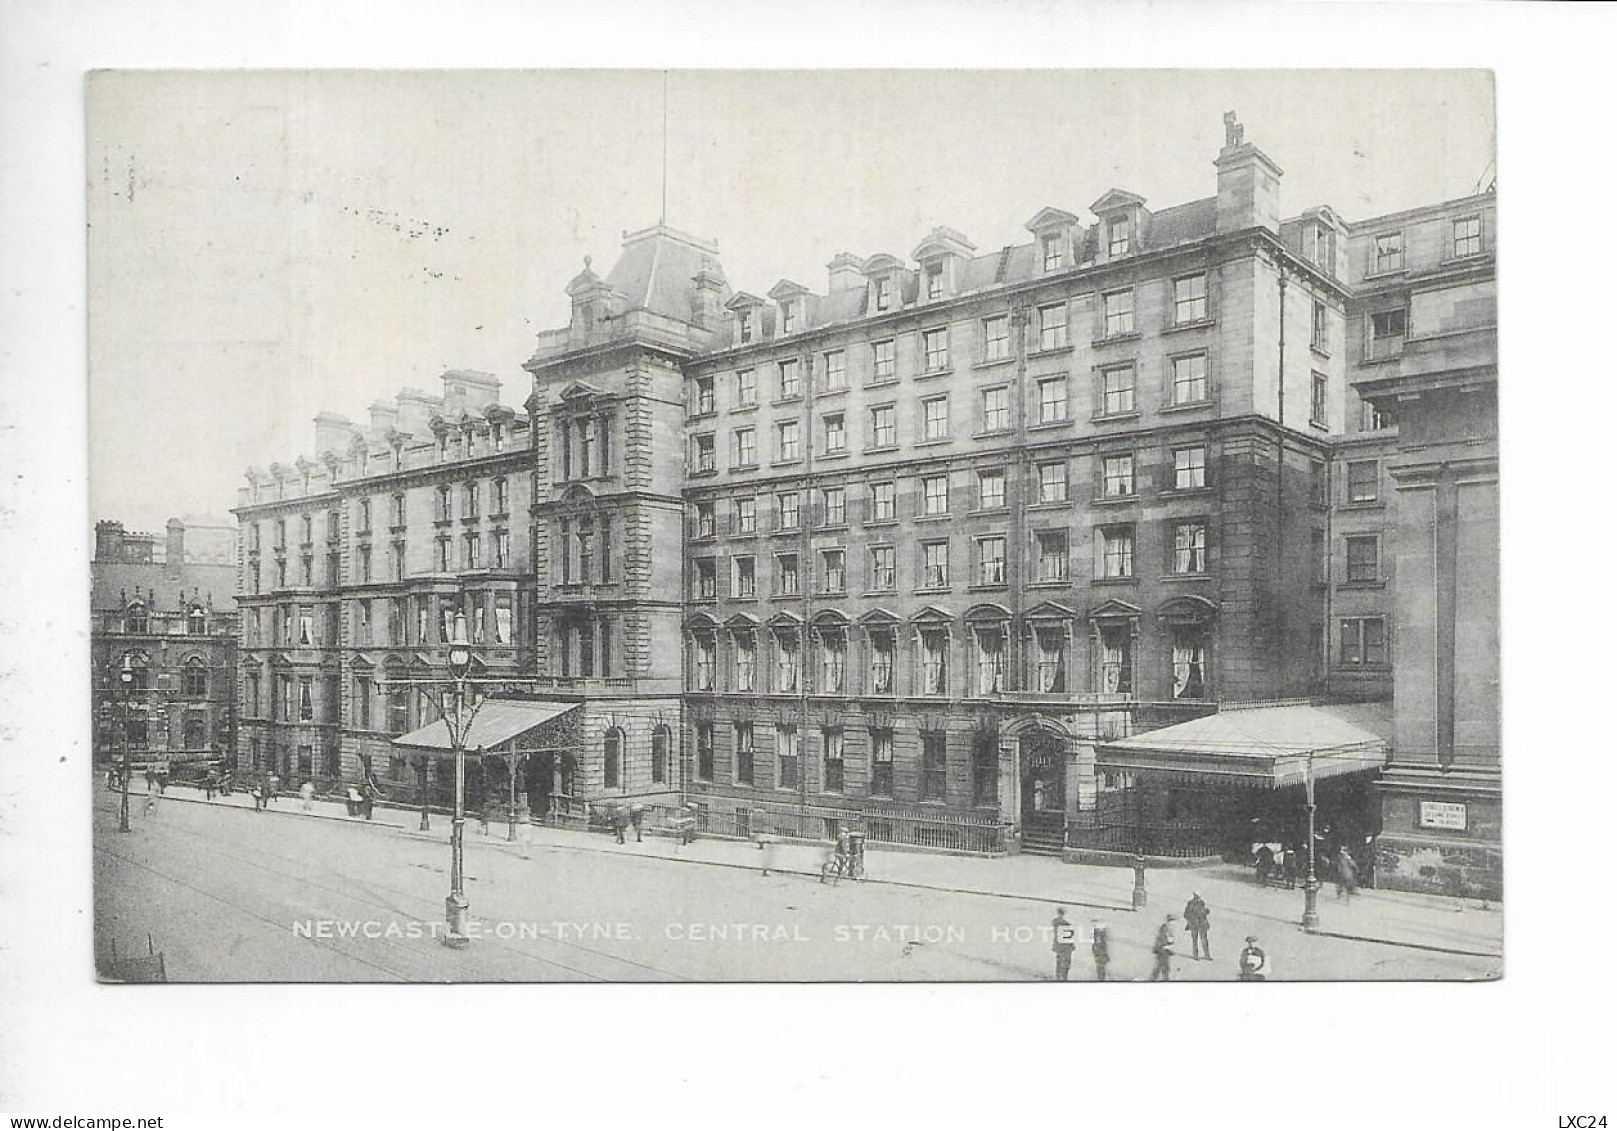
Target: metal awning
x,y
498,721
1259,746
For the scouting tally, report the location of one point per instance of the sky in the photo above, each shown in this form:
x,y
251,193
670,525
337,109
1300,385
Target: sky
x,y
268,245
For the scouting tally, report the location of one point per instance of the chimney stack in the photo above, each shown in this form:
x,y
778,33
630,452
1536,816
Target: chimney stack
x,y
846,271
332,432
1248,183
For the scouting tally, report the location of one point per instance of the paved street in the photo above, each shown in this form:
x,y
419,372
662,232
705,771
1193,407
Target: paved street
x,y
232,894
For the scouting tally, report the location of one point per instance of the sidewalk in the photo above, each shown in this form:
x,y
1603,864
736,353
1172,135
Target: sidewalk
x,y
1421,922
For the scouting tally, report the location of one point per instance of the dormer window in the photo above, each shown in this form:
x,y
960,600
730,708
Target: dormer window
x,y
1324,249
744,319
884,293
934,281
1050,248
788,318
1117,237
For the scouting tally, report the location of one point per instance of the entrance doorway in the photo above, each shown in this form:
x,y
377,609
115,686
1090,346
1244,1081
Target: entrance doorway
x,y
1044,792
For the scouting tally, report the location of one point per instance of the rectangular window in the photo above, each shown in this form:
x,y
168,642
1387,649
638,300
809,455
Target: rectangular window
x,y
836,370
836,434
834,506
787,443
934,281
1318,410
1190,299
883,573
704,520
745,763
1363,558
1053,326
935,418
831,742
934,565
1117,390
1053,482
704,751
1117,237
1118,308
935,492
1116,551
745,447
706,580
884,293
1050,251
934,768
882,361
705,457
883,650
1387,331
833,658
1467,236
883,502
786,751
934,662
704,395
1363,484
706,659
787,505
1317,483
1190,547
746,516
996,410
1373,419
1189,468
881,763
1117,476
1318,327
1190,379
1363,641
1052,400
991,560
786,579
746,387
789,385
990,490
990,659
996,338
746,650
1052,546
744,577
832,572
1389,252
935,349
788,318
883,430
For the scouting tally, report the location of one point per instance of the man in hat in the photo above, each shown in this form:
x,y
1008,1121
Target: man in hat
x,y
1063,941
1197,922
1100,945
1254,963
1163,950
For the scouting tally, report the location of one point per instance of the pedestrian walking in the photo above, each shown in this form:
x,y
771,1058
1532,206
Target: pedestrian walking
x,y
1162,948
1196,922
1288,866
637,816
1254,963
1347,874
482,820
306,793
620,821
260,792
151,780
1100,945
227,782
767,844
367,800
1063,941
1265,863
274,788
210,783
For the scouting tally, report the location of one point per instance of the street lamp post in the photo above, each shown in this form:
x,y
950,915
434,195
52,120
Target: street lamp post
x,y
126,680
421,789
455,905
1311,882
512,762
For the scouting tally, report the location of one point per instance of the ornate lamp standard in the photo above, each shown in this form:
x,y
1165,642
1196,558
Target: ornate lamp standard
x,y
126,680
1311,883
455,905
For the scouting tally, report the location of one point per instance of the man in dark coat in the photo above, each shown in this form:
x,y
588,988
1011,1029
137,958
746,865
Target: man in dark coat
x,y
1063,941
1100,945
1254,963
1162,949
1196,922
1347,874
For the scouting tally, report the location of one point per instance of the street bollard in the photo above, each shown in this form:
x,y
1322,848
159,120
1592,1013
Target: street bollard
x,y
1139,881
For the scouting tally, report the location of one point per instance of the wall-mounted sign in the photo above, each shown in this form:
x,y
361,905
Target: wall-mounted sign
x,y
1442,815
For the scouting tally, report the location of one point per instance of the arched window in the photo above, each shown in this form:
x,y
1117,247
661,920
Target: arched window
x,y
194,678
135,619
659,754
197,622
612,759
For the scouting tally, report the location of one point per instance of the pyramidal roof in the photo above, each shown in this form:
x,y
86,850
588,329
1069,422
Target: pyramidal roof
x,y
656,269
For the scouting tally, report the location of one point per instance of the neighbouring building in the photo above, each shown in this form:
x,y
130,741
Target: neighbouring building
x,y
979,550
170,613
